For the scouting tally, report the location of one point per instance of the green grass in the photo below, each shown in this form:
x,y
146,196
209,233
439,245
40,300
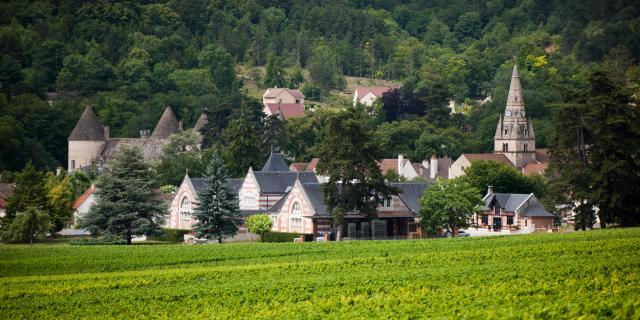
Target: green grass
x,y
591,274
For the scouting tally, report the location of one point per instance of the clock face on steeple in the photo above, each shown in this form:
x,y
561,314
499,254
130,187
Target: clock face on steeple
x,y
507,113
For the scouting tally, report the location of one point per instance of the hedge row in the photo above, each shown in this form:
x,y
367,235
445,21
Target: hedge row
x,y
285,237
171,235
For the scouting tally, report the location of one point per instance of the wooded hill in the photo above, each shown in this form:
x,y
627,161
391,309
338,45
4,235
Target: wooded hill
x,y
131,59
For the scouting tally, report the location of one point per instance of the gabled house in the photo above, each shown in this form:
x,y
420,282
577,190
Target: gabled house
x,y
284,102
185,199
368,95
262,189
303,210
506,212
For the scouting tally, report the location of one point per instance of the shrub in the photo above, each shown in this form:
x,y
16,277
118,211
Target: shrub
x,y
285,236
171,235
99,241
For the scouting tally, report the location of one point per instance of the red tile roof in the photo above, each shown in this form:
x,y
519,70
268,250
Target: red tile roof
x,y
531,168
83,197
287,110
3,203
377,91
387,165
298,166
313,165
498,157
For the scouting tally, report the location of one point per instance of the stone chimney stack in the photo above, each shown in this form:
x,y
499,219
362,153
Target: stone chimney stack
x,y
489,190
58,171
107,134
400,162
433,172
180,125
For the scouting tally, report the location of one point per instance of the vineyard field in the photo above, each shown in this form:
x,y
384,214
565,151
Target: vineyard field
x,y
595,274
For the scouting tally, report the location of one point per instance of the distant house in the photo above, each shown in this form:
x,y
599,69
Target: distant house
x,y
505,212
287,103
431,169
82,205
6,190
368,95
302,209
465,160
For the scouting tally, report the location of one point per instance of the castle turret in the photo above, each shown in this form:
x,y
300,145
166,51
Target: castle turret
x,y
514,134
167,125
86,141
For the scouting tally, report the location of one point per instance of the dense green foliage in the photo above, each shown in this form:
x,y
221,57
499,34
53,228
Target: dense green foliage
x,y
449,205
502,178
129,60
125,205
596,151
27,226
562,276
259,224
216,211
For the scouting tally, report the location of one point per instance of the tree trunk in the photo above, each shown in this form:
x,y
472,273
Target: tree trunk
x,y
220,239
128,237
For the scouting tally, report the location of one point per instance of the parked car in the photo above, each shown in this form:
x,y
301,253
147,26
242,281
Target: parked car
x,y
462,233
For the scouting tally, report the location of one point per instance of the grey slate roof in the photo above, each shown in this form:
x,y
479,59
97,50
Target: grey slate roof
x,y
275,162
410,194
88,127
280,182
167,125
234,184
529,205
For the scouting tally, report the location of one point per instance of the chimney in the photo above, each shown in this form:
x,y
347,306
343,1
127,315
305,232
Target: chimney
x,y
107,136
489,190
400,162
433,172
58,171
180,125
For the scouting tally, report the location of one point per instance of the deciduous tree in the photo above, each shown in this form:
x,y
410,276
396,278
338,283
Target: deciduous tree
x,y
449,205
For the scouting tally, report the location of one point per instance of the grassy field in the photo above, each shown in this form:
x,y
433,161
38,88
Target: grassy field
x,y
593,274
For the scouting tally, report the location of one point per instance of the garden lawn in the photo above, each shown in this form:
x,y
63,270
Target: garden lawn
x,y
594,274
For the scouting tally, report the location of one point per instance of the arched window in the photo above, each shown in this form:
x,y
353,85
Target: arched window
x,y
185,213
296,210
185,204
505,131
526,146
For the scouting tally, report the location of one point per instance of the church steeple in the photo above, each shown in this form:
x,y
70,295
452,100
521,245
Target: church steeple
x,y
514,133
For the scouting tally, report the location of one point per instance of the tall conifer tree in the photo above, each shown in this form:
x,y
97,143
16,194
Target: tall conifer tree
x,y
125,203
217,209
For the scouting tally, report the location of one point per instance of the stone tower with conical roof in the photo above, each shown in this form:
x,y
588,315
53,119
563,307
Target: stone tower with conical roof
x,y
514,134
87,140
167,125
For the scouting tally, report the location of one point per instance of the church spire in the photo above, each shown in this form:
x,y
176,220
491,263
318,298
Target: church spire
x,y
515,102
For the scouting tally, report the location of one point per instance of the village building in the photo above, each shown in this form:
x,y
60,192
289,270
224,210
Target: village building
x,y
513,213
367,96
431,169
303,210
91,144
286,103
514,138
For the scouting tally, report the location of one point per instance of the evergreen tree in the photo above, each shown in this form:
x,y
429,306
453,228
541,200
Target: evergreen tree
x,y
125,204
350,158
29,192
272,133
275,76
242,143
217,209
